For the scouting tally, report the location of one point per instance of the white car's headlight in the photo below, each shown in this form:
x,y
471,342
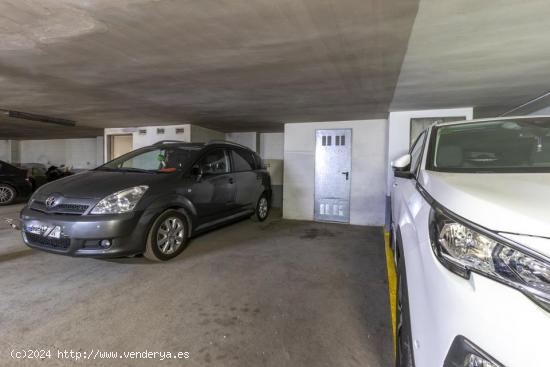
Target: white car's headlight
x,y
120,202
463,248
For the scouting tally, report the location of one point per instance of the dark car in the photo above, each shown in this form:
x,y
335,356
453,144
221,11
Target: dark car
x,y
14,182
149,201
36,173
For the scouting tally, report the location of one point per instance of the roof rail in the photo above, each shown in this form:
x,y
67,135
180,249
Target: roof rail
x,y
218,141
161,142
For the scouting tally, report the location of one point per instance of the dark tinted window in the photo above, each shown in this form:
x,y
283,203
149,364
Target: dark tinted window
x,y
242,161
215,161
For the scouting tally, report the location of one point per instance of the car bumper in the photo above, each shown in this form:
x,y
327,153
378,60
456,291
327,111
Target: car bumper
x,y
81,234
505,324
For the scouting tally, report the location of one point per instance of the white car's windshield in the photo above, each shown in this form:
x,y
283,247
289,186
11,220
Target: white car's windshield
x,y
161,159
521,145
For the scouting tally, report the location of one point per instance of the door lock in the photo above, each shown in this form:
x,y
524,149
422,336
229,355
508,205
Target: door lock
x,y
347,175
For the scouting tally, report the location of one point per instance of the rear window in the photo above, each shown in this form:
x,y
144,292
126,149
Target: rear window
x,y
242,161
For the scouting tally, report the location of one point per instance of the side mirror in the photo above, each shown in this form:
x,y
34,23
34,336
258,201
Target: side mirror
x,y
401,167
197,172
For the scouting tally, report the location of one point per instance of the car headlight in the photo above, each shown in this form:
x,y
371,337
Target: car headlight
x,y
463,248
120,202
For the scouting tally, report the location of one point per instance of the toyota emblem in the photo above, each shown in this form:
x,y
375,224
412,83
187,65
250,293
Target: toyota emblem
x,y
51,201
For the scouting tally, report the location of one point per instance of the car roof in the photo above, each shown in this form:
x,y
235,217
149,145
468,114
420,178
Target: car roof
x,y
225,143
529,118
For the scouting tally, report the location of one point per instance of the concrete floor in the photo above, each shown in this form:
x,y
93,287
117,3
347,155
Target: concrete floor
x,y
279,293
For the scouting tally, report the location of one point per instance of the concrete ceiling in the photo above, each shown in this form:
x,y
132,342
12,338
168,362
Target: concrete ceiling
x,y
231,65
490,54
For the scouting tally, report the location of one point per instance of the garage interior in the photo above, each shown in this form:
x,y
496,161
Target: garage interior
x,y
111,77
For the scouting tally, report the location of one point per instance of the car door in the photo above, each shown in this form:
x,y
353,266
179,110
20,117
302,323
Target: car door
x,y
246,178
213,194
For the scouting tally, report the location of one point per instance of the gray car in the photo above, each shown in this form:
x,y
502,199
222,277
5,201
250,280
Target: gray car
x,y
149,201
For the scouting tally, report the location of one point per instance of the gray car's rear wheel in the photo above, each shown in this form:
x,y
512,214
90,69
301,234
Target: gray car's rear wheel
x,y
262,208
7,194
167,237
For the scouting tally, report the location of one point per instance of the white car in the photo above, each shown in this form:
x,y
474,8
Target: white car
x,y
471,238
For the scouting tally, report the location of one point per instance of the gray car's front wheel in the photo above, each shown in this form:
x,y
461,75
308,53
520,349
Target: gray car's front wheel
x,y
167,237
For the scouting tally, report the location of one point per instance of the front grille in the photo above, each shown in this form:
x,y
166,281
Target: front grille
x,y
55,243
60,208
71,207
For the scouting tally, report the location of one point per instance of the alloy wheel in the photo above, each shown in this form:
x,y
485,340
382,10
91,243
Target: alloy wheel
x,y
263,207
6,194
170,235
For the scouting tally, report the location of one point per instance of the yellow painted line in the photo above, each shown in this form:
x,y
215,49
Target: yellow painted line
x,y
392,284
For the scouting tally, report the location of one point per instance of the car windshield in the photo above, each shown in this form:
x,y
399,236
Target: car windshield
x,y
161,159
521,145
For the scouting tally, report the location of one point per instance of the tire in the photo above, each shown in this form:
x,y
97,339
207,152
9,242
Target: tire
x,y
261,212
7,194
167,237
404,348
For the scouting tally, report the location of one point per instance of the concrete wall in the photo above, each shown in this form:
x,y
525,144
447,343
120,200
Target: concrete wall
x,y
190,133
368,181
150,135
202,135
78,153
271,149
5,150
248,139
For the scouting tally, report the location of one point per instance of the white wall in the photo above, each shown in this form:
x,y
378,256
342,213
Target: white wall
x,y
399,129
5,150
272,145
151,135
191,133
368,179
248,139
78,153
202,135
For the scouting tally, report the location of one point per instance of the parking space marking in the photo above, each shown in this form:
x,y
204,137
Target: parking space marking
x,y
392,284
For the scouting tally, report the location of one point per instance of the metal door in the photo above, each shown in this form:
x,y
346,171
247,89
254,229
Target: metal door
x,y
332,175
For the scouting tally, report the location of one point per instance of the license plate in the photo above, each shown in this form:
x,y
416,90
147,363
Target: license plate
x,y
44,230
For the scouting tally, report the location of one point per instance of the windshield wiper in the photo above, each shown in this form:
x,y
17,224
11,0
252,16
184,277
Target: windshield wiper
x,y
124,169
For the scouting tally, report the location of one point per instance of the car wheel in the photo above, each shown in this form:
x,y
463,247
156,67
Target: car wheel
x,y
404,347
262,209
7,194
167,237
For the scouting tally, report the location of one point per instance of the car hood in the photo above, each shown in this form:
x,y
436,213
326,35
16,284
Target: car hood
x,y
517,203
98,184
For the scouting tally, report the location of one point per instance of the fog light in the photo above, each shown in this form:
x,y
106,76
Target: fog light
x,y
105,243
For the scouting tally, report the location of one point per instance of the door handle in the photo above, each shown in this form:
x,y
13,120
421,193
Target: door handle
x,y
231,180
347,175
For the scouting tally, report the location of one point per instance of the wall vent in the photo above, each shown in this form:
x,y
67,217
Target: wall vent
x,y
142,131
160,131
180,130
